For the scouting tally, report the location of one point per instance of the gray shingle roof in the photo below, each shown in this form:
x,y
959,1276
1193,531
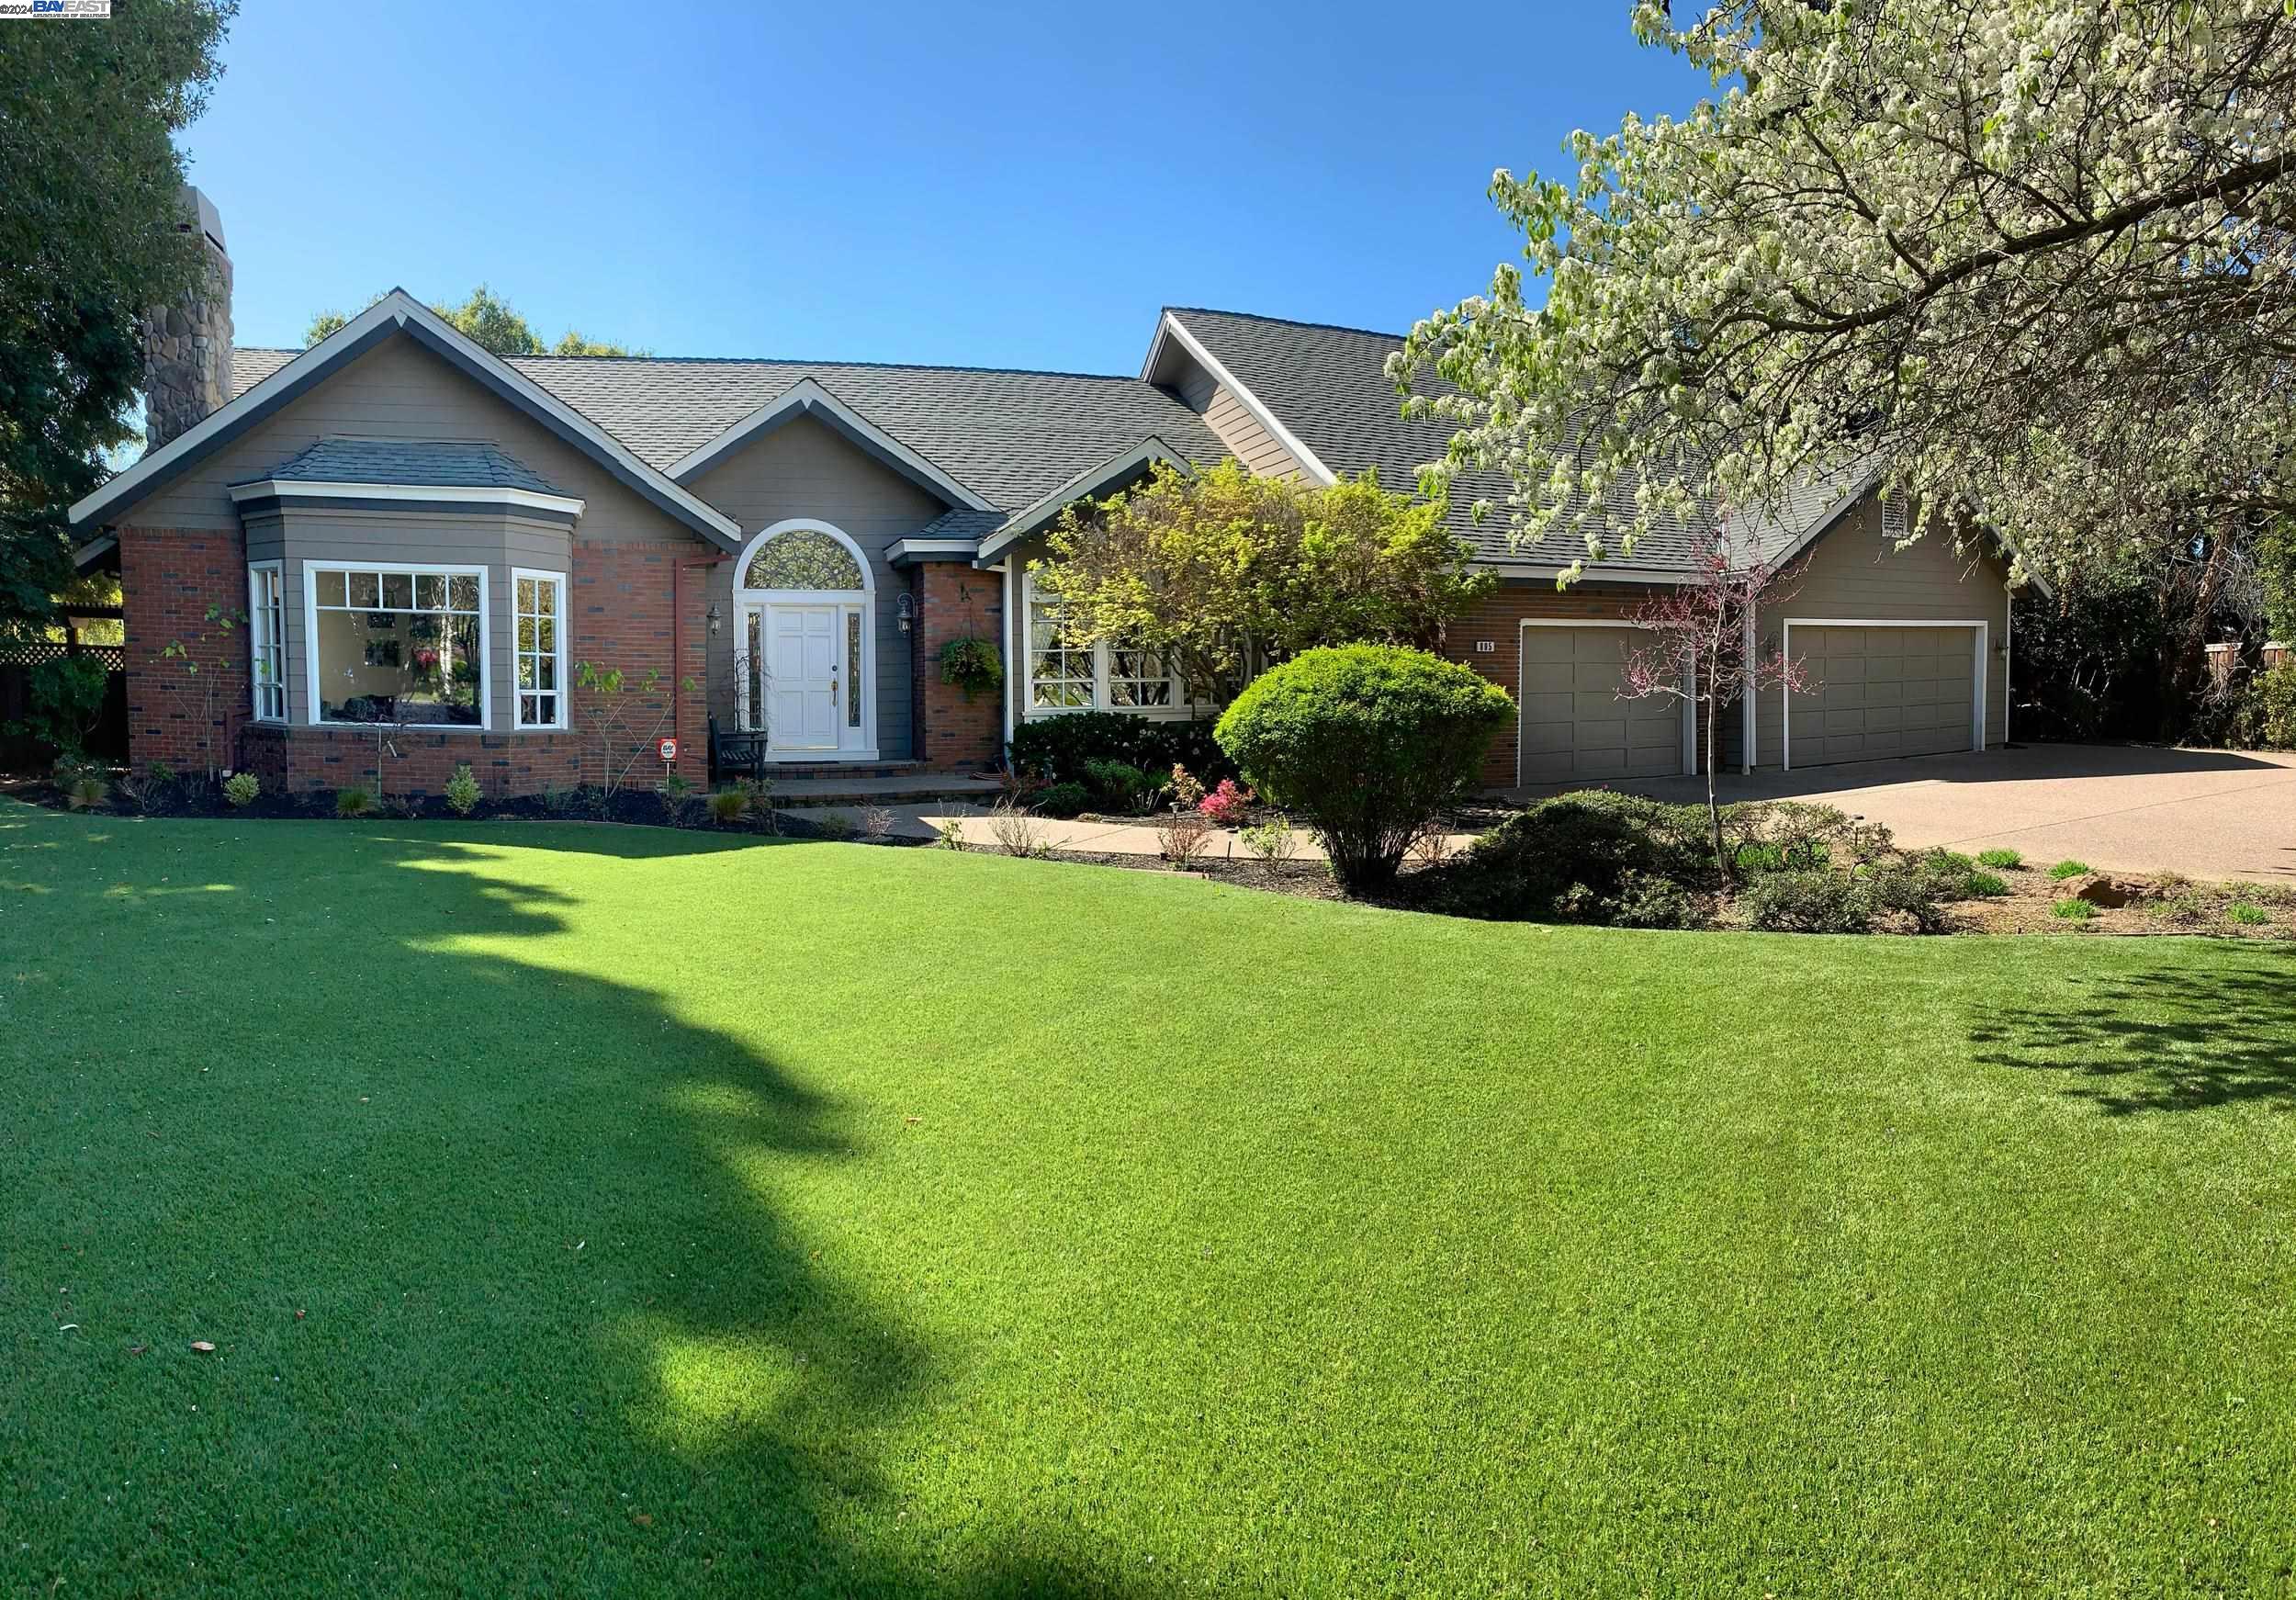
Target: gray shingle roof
x,y
1010,436
443,463
1329,386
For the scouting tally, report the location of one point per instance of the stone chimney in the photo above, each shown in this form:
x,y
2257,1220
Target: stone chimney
x,y
188,346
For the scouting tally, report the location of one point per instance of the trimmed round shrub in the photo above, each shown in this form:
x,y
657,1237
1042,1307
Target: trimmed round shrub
x,y
1368,743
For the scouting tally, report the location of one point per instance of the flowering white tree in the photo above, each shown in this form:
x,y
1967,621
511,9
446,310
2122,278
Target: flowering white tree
x,y
1699,646
2038,256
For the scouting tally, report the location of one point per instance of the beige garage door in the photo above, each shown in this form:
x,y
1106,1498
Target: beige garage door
x,y
1575,728
1882,691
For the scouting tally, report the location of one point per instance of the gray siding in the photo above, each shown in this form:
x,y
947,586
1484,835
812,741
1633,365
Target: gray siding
x,y
803,469
350,537
399,391
1246,438
1856,573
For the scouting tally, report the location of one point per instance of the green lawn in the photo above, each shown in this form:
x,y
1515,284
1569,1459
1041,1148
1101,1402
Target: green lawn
x,y
591,1210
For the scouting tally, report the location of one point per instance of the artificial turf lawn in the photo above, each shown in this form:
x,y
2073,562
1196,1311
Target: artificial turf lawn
x,y
592,1210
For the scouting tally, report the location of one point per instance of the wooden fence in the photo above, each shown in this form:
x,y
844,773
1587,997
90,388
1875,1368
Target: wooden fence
x,y
106,741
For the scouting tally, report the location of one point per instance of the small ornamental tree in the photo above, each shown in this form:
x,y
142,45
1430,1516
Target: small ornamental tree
x,y
1208,567
1697,650
1368,742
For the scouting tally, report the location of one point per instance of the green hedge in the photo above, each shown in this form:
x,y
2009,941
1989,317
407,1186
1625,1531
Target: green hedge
x,y
1058,749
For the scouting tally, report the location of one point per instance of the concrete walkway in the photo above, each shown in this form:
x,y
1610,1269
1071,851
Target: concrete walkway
x,y
2207,814
1124,839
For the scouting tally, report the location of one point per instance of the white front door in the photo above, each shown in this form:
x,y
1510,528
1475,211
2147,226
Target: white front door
x,y
805,689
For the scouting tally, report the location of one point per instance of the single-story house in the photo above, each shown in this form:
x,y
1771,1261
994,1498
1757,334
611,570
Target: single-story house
x,y
423,536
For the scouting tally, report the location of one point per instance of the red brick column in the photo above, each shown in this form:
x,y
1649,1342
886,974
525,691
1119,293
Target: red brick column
x,y
955,601
169,578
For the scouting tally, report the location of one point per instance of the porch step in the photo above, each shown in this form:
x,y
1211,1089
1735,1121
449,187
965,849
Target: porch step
x,y
777,770
904,789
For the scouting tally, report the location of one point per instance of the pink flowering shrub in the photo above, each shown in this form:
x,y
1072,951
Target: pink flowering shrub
x,y
1227,804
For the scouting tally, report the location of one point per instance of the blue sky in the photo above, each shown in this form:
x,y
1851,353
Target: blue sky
x,y
996,186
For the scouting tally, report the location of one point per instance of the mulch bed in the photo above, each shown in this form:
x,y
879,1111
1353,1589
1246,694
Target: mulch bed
x,y
2156,904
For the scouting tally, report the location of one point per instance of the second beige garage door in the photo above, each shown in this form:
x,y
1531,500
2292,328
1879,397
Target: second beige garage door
x,y
1575,728
1882,691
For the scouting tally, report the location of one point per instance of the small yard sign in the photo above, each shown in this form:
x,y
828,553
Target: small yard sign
x,y
669,750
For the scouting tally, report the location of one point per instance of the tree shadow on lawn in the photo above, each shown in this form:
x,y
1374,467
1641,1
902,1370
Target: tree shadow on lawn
x,y
2171,1039
562,1160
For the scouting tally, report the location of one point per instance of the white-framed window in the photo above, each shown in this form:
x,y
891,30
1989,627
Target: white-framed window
x,y
396,644
1066,673
538,647
1062,672
266,638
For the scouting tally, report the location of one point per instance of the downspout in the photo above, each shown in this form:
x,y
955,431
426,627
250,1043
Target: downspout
x,y
1748,724
678,647
2008,661
1015,626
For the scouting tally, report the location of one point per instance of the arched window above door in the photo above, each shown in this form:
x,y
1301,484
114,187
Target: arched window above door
x,y
804,556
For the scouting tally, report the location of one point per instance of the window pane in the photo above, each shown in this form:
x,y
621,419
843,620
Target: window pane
x,y
397,591
545,636
803,559
853,669
430,591
550,598
331,589
752,667
530,708
526,595
462,592
526,633
366,589
545,671
394,666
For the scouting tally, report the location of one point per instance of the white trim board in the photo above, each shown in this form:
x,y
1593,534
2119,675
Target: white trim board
x,y
481,494
1170,325
1523,687
314,564
1981,639
564,693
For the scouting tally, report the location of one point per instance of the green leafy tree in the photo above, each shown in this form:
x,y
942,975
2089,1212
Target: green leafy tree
x,y
91,189
1206,568
2039,258
490,322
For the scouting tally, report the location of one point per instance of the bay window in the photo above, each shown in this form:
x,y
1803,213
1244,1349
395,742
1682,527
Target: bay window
x,y
538,645
399,644
266,640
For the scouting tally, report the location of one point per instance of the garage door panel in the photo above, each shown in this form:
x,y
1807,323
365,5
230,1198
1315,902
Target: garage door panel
x,y
1882,691
1576,727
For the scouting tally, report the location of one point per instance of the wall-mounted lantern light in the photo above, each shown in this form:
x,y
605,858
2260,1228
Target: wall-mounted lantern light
x,y
906,610
716,619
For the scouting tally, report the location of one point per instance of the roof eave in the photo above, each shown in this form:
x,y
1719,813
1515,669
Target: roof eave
x,y
808,398
1170,328
397,313
1091,482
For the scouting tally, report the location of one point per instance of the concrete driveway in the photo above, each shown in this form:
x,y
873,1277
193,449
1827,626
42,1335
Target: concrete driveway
x,y
2207,814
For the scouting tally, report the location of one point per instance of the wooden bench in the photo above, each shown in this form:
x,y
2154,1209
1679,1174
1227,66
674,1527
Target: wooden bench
x,y
735,753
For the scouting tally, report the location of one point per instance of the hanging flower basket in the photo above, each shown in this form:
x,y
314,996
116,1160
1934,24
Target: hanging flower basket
x,y
973,665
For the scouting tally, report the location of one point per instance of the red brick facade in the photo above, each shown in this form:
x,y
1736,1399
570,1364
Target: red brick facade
x,y
954,601
1497,619
634,604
